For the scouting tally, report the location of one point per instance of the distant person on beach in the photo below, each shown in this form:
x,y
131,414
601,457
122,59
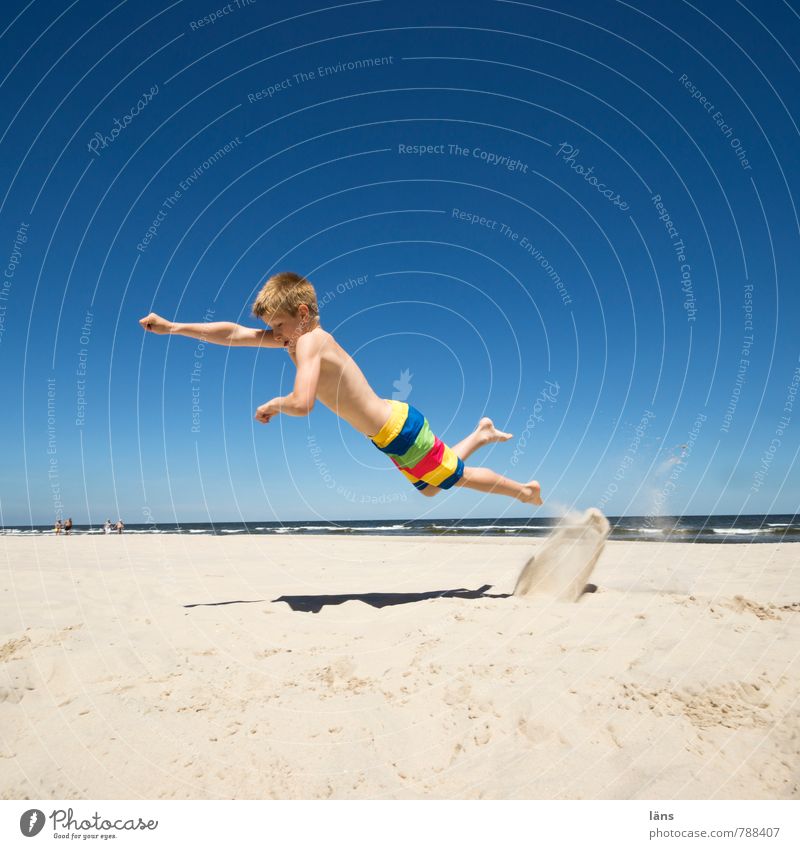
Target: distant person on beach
x,y
287,303
68,526
107,527
120,526
58,527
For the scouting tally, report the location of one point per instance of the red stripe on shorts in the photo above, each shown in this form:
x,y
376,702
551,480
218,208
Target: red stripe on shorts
x,y
431,461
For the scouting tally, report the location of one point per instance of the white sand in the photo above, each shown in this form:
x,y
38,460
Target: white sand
x,y
678,678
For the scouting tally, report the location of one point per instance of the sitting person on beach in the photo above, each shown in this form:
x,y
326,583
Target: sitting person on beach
x,y
68,526
107,527
58,527
287,303
120,526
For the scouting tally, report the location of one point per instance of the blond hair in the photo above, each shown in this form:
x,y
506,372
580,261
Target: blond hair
x,y
284,292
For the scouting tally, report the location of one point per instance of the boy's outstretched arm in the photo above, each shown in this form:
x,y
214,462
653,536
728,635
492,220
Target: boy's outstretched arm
x,y
218,332
300,401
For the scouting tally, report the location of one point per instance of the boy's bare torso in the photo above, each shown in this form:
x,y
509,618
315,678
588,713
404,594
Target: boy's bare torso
x,y
342,386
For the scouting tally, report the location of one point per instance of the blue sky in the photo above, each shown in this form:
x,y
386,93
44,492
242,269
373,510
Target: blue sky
x,y
598,248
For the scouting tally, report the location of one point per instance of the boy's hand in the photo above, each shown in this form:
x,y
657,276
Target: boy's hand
x,y
155,324
266,411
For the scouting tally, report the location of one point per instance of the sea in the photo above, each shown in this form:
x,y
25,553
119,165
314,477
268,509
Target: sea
x,y
704,529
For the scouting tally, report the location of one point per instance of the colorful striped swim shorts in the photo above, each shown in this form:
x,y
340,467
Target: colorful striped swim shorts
x,y
411,445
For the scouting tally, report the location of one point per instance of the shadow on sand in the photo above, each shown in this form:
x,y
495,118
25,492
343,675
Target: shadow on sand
x,y
220,603
315,603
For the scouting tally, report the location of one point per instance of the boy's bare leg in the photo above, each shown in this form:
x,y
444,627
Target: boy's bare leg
x,y
486,480
483,434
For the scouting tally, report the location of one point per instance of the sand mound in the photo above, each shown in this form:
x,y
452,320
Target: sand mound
x,y
561,567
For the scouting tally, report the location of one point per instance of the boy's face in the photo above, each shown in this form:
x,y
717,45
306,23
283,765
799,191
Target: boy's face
x,y
288,328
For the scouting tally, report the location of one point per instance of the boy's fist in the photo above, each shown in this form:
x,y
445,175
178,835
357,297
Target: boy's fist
x,y
264,413
155,324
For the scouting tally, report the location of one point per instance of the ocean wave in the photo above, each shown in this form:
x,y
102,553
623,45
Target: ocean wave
x,y
689,528
521,527
490,527
471,527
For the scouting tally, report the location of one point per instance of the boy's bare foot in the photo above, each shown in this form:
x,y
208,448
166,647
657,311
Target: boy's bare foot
x,y
489,433
531,493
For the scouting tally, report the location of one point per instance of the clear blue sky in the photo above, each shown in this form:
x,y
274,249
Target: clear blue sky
x,y
115,123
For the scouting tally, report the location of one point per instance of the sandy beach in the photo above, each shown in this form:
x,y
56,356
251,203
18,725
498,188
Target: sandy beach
x,y
178,667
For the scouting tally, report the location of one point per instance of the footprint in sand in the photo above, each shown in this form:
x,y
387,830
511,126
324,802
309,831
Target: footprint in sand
x,y
562,565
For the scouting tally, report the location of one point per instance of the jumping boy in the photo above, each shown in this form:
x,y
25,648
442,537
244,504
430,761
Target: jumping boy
x,y
287,303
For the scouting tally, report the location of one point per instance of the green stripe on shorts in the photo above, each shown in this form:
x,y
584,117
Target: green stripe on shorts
x,y
422,444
